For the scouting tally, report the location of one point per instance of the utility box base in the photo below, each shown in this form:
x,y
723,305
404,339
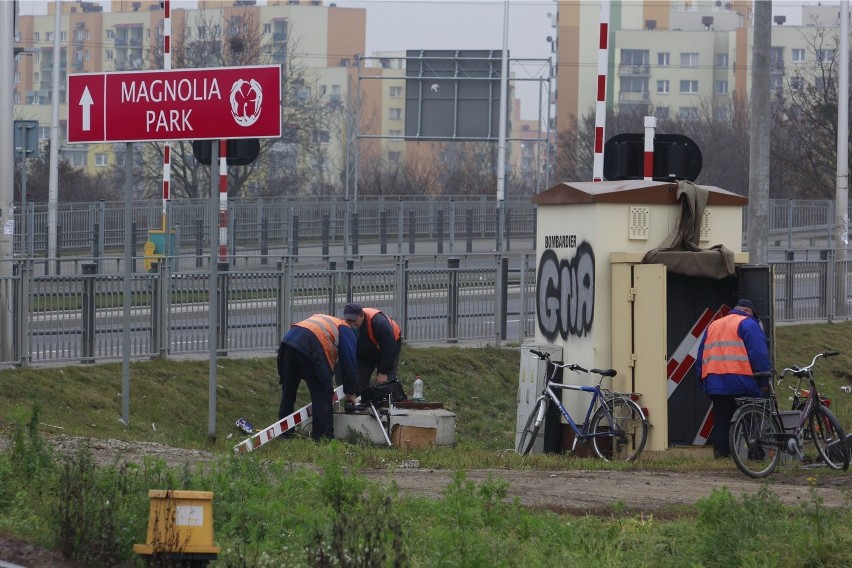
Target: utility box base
x,y
413,437
442,421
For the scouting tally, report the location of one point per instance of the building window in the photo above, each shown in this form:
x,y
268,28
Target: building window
x,y
36,77
662,113
721,87
322,137
721,60
36,37
78,35
721,114
634,56
776,82
88,34
394,157
663,59
100,159
663,87
396,92
825,55
689,60
86,55
634,85
687,113
798,55
267,28
797,82
63,36
395,133
43,132
48,36
17,77
395,114
17,97
110,33
108,55
689,87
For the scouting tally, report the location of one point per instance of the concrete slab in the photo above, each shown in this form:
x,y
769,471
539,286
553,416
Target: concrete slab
x,y
442,420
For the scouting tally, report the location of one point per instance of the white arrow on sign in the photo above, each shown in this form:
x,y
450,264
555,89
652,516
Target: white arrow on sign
x,y
86,102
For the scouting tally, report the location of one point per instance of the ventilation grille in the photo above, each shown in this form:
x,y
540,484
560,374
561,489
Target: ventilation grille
x,y
705,226
639,223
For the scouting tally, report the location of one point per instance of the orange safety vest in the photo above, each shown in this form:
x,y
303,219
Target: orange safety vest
x,y
326,330
368,317
724,350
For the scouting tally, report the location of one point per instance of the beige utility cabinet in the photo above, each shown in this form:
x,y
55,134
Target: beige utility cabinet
x,y
597,301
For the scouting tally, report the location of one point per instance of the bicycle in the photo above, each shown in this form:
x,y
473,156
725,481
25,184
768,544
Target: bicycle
x,y
758,436
615,424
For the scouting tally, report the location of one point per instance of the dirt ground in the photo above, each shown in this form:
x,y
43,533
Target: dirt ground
x,y
573,491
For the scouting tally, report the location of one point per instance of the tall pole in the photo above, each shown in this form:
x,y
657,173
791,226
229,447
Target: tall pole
x,y
841,206
600,104
7,171
167,147
53,177
759,111
501,134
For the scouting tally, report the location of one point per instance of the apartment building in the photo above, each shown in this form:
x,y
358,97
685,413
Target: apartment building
x,y
679,58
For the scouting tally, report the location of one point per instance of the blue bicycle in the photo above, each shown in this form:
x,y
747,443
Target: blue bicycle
x,y
615,424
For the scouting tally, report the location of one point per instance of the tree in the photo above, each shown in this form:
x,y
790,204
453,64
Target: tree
x,y
296,164
804,130
77,185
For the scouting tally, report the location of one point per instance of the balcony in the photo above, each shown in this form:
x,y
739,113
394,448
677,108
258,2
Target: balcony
x,y
629,97
279,36
634,70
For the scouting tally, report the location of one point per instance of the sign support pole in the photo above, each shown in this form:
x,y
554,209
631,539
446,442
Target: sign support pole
x,y
213,287
128,290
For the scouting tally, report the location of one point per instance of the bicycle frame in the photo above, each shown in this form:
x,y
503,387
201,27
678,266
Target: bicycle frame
x,y
597,394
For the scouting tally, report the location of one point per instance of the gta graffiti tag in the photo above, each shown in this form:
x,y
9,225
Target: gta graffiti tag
x,y
565,293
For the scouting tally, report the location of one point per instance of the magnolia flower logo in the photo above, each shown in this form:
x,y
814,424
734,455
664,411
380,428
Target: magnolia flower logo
x,y
246,99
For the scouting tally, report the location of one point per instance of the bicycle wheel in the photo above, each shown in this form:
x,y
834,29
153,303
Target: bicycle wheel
x,y
626,429
755,441
829,438
530,431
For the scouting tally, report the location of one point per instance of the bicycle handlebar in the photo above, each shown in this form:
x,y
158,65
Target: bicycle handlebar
x,y
801,372
573,366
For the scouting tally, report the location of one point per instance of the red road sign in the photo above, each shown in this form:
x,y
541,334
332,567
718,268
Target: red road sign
x,y
180,104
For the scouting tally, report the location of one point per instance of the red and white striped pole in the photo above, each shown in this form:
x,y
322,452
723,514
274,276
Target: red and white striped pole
x,y
650,129
223,200
600,105
167,148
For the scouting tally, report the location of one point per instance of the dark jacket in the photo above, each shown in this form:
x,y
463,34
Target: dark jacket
x,y
382,356
304,341
752,335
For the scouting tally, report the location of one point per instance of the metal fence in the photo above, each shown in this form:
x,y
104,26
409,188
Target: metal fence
x,y
436,299
262,226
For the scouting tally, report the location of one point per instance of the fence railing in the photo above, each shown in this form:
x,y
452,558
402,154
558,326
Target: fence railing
x,y
79,317
394,224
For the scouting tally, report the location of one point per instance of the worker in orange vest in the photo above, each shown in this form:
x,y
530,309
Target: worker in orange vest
x,y
378,348
310,350
733,349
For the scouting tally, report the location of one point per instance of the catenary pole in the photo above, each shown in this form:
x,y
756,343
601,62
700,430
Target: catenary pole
x,y
759,111
53,177
7,171
841,233
841,205
501,129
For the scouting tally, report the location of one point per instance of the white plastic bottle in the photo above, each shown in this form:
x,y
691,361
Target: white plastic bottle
x,y
418,389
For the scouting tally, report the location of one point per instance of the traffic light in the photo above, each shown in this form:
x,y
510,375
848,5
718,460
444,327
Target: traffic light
x,y
241,151
676,157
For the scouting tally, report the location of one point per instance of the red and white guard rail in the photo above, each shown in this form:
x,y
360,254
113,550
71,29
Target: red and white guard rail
x,y
301,416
